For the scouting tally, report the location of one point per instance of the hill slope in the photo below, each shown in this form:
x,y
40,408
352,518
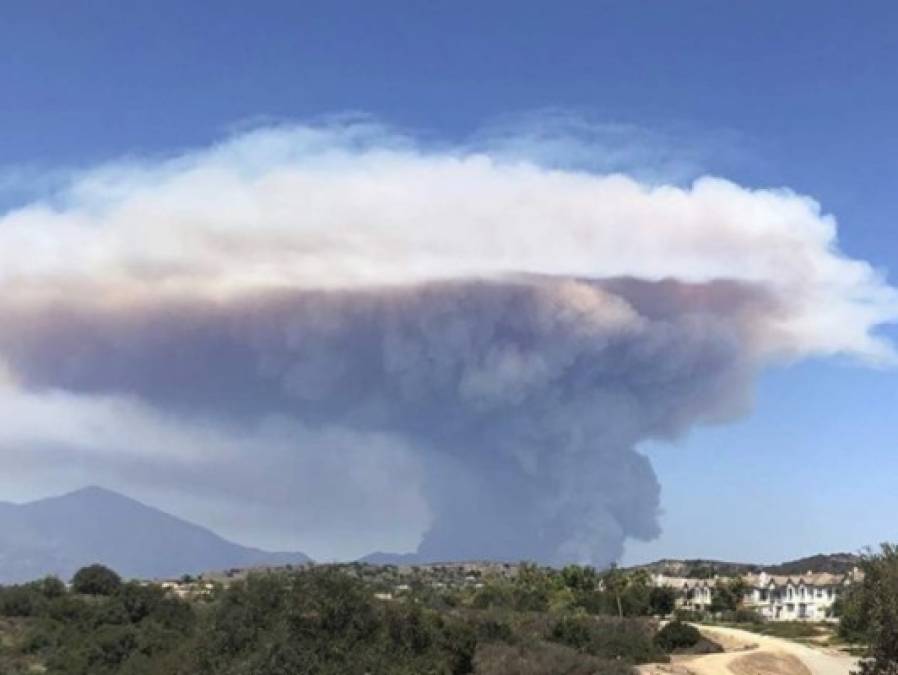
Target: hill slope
x,y
60,534
836,563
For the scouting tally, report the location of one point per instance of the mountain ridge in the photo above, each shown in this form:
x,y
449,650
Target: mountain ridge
x,y
59,534
835,563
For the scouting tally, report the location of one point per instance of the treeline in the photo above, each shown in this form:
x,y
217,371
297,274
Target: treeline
x,y
575,588
323,621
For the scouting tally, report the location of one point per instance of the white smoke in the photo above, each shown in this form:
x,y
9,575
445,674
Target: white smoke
x,y
518,329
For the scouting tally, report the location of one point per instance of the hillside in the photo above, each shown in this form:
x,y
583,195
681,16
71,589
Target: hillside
x,y
60,534
835,563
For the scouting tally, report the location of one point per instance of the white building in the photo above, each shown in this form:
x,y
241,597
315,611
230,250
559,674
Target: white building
x,y
806,597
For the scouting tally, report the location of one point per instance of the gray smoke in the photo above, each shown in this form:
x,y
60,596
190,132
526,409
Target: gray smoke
x,y
338,330
528,396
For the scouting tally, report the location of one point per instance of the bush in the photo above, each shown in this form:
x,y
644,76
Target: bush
x,y
542,658
490,627
50,587
323,622
677,635
21,601
607,637
742,615
662,600
96,580
689,615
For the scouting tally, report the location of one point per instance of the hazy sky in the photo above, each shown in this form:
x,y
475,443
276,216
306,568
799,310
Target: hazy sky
x,y
116,172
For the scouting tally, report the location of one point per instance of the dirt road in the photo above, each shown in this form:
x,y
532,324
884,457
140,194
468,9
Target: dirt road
x,y
751,654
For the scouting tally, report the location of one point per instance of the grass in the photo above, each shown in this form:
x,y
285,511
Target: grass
x,y
799,631
791,630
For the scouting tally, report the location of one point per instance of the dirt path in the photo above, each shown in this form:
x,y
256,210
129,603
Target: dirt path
x,y
751,654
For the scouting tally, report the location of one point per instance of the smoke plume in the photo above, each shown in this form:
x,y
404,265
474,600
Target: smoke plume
x,y
489,340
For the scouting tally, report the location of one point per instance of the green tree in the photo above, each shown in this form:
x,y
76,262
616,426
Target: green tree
x,y
580,578
662,600
728,595
96,580
870,610
615,582
677,635
50,587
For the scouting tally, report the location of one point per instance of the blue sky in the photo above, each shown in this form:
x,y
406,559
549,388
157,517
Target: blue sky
x,y
799,94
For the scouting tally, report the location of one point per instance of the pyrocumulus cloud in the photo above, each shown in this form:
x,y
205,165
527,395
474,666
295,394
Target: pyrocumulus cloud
x,y
344,336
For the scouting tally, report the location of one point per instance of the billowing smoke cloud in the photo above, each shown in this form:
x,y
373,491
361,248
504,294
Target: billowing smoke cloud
x,y
497,335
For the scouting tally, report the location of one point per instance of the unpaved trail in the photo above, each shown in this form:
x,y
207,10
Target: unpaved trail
x,y
751,654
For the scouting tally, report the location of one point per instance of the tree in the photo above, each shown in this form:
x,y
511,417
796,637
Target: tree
x,y
728,595
629,590
50,587
662,600
580,578
677,635
616,582
871,610
96,580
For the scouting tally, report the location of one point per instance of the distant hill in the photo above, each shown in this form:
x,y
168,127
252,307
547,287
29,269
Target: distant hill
x,y
698,568
381,558
61,534
835,563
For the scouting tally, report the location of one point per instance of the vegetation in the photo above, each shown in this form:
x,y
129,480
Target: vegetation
x,y
96,580
728,595
662,600
869,612
677,635
791,630
329,620
836,563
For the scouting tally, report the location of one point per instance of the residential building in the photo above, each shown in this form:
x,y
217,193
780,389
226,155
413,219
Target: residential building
x,y
806,597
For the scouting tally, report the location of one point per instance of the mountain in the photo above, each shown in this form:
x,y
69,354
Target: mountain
x,y
58,535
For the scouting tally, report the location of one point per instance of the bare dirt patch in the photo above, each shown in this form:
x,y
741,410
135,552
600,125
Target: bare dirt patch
x,y
768,663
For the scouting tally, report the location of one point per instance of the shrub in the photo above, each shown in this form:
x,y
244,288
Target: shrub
x,y
324,622
742,615
662,600
21,601
607,637
491,626
677,635
50,587
542,658
689,615
96,580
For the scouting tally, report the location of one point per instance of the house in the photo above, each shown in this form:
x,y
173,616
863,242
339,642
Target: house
x,y
692,594
806,597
